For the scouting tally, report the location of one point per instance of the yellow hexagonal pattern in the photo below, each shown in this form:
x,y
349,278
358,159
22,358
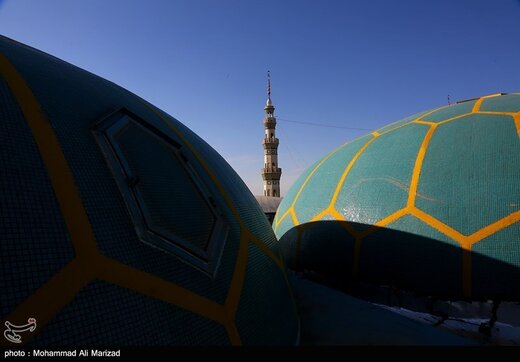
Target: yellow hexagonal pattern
x,y
465,241
90,263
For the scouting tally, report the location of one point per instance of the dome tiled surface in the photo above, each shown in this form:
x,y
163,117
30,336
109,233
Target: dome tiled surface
x,y
72,254
430,203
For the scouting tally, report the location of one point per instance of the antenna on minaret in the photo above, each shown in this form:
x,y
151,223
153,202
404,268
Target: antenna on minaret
x,y
268,84
449,101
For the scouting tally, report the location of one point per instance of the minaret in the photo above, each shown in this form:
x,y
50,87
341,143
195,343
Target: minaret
x,y
270,173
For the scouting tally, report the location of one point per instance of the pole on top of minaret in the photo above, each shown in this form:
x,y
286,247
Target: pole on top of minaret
x,y
268,84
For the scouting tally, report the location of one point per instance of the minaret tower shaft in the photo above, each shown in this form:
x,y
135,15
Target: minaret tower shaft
x,y
271,173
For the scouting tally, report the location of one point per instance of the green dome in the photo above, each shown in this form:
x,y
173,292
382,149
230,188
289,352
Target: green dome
x,y
430,203
120,226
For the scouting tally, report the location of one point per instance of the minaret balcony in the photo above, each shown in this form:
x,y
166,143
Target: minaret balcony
x,y
270,140
271,173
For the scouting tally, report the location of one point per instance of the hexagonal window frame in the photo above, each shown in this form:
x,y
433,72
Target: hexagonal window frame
x,y
208,259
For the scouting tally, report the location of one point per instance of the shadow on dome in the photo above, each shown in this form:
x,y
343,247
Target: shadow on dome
x,y
325,252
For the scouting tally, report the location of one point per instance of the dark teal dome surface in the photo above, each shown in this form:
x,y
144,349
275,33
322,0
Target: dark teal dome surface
x,y
120,226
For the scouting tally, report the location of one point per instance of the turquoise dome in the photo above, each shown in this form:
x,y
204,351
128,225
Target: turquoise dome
x,y
430,203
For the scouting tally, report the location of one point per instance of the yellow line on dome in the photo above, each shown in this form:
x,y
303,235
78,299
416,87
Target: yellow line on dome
x,y
235,288
302,187
60,175
437,224
476,106
117,273
412,193
238,277
336,214
277,223
347,170
430,112
415,120
321,214
424,122
496,113
294,218
375,135
404,124
276,217
492,228
332,210
61,288
454,118
50,298
467,242
385,221
266,250
233,334
478,103
458,237
89,264
394,129
420,119
516,117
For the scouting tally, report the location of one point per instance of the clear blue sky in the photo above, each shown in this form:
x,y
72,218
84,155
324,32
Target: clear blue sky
x,y
359,64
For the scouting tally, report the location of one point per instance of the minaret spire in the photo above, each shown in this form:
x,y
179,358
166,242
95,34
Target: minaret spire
x,y
271,173
269,84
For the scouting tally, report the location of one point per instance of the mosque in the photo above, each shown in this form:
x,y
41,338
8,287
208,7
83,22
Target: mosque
x,y
119,226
